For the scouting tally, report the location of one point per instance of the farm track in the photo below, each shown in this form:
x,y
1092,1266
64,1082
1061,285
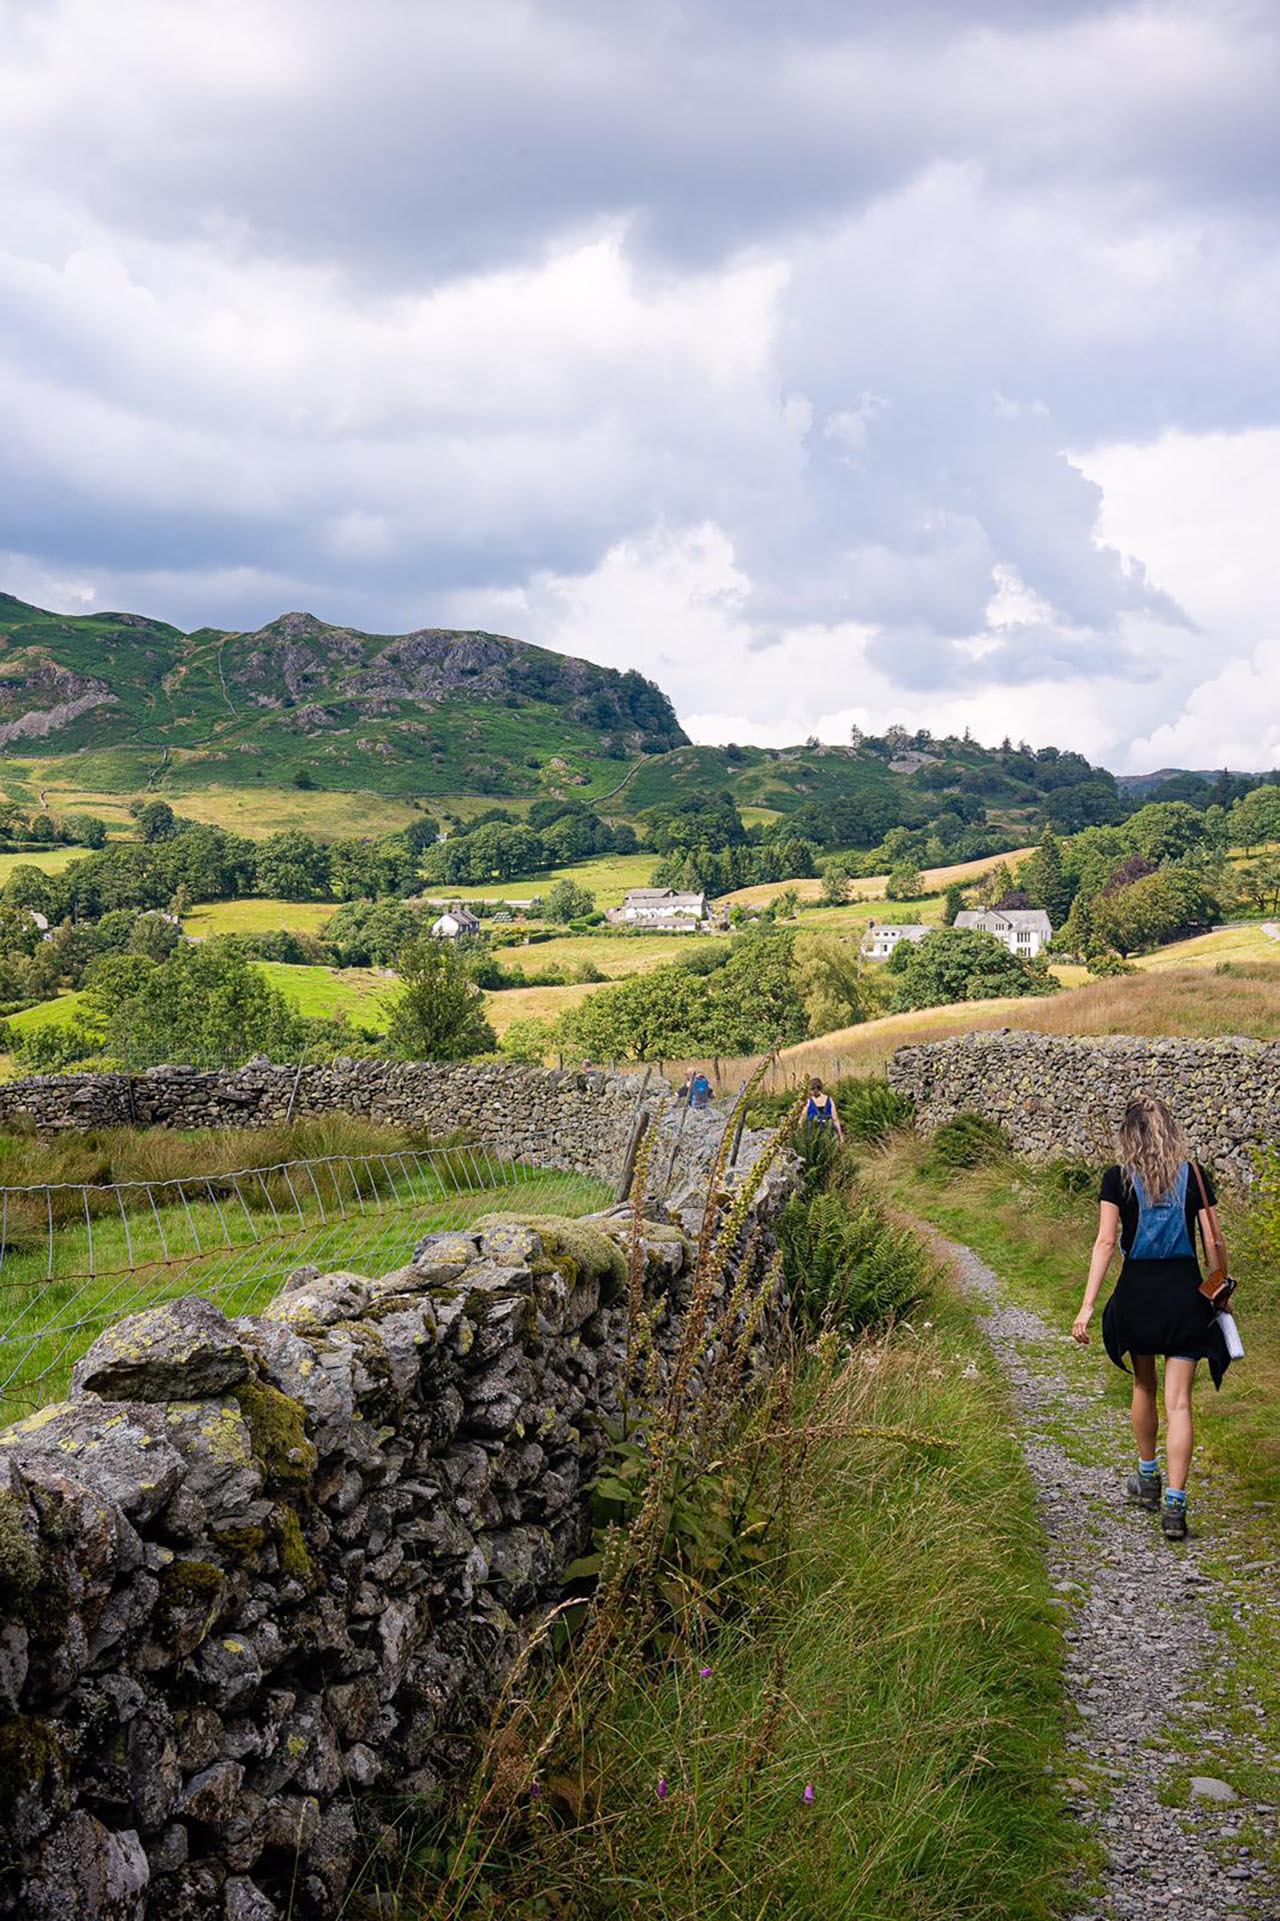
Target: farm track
x,y
1148,1655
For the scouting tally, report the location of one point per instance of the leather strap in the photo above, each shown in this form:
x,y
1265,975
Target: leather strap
x,y
1216,1255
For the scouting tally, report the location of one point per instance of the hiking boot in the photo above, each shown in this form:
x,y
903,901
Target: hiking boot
x,y
1145,1490
1173,1520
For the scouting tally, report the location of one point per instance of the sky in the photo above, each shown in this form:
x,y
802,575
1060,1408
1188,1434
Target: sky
x,y
833,363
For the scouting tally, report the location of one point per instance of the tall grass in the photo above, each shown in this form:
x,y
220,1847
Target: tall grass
x,y
819,1676
875,1738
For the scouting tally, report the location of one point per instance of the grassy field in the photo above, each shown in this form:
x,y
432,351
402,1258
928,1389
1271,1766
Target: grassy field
x,y
258,916
53,860
1193,1001
361,993
873,886
616,955
532,1003
1246,943
608,877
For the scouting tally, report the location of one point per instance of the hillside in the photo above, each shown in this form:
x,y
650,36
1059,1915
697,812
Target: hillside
x,y
434,712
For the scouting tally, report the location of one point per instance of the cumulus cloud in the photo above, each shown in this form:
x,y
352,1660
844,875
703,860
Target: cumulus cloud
x,y
826,361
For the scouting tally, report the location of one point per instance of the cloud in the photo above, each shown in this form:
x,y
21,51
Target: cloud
x,y
815,359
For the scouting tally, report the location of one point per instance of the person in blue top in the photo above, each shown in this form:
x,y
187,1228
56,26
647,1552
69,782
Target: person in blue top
x,y
1152,1202
820,1109
699,1090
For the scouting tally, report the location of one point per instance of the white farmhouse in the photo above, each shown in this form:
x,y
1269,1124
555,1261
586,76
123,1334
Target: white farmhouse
x,y
1025,931
454,924
662,909
882,937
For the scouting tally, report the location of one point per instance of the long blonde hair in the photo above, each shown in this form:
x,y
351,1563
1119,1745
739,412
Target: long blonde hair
x,y
1150,1143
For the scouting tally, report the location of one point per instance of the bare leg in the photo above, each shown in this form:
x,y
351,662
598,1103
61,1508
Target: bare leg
x,y
1179,1379
1146,1418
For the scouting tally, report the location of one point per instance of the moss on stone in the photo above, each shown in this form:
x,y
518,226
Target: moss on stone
x,y
33,1759
294,1558
242,1539
277,1433
20,1558
186,1586
577,1249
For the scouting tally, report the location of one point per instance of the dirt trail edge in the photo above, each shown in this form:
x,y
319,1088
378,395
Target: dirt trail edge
x,y
1145,1659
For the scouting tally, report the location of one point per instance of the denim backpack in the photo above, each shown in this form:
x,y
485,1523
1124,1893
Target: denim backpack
x,y
1162,1225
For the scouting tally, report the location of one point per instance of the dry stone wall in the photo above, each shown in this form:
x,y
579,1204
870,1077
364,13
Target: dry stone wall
x,y
577,1121
1060,1096
257,1575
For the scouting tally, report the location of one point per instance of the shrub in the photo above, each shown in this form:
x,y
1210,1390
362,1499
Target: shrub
x,y
870,1108
847,1265
970,1140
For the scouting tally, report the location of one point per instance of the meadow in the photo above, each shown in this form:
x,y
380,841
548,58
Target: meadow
x,y
872,887
50,860
608,877
257,915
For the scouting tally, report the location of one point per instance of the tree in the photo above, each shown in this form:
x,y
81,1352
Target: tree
x,y
566,901
292,866
438,1015
1165,830
154,935
836,987
1260,883
953,902
1255,820
961,964
156,821
367,933
1044,880
207,1005
837,883
304,778
1075,937
1160,907
905,882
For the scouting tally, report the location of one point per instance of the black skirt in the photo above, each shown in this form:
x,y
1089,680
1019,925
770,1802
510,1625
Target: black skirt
x,y
1157,1308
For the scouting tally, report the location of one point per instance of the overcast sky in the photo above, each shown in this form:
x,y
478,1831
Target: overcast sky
x,y
831,362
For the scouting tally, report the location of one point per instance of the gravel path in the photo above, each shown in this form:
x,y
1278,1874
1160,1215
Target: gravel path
x,y
1143,1653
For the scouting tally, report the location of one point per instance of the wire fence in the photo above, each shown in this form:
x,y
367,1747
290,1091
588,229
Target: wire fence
x,y
76,1257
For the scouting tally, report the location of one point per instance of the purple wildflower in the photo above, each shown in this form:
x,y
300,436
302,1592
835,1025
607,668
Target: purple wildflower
x,y
704,1674
807,1797
663,1789
535,1790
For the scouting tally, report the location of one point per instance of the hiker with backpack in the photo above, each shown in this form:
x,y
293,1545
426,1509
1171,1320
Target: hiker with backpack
x,y
820,1110
1152,1202
697,1090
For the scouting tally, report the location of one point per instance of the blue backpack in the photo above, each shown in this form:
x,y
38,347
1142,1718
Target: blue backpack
x,y
1162,1225
700,1091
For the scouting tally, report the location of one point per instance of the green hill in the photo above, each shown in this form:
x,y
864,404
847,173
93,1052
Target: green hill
x,y
434,712
97,707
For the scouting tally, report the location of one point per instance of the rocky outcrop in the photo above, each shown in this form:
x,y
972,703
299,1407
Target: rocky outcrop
x,y
1061,1096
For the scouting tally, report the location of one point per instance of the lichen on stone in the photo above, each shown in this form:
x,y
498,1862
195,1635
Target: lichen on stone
x,y
579,1250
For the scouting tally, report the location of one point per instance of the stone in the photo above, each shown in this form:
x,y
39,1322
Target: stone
x,y
183,1350
1205,1787
84,1869
230,1672
440,1253
510,1243
116,1452
210,1797
322,1302
245,1902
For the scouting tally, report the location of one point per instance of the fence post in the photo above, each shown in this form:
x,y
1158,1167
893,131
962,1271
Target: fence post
x,y
633,1141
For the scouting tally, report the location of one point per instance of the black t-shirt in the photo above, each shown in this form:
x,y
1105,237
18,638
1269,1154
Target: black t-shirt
x,y
1115,1188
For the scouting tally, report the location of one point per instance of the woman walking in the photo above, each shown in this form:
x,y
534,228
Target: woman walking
x,y
1151,1203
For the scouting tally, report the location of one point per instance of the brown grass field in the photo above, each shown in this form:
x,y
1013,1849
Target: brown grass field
x,y
1191,1001
872,888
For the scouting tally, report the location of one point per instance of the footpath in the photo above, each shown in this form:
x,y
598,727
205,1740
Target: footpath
x,y
1159,1713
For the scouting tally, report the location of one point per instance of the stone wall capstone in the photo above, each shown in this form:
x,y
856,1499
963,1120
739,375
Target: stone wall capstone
x,y
257,1574
1060,1095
